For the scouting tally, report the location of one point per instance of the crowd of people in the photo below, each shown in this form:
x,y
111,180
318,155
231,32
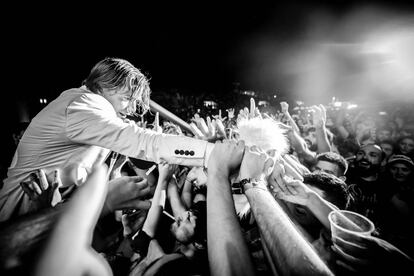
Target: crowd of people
x,y
111,194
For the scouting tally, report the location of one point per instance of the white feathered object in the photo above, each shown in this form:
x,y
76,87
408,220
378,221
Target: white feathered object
x,y
266,134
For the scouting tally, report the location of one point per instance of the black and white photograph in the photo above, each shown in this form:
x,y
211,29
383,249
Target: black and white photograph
x,y
207,138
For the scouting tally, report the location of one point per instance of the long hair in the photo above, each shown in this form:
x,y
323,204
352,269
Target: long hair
x,y
116,73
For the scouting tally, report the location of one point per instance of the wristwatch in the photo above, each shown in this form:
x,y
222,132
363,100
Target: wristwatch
x,y
248,183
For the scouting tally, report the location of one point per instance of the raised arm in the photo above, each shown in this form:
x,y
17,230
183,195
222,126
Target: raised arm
x,y
319,120
69,250
197,176
154,213
285,110
339,123
301,148
227,250
289,250
297,192
186,193
174,198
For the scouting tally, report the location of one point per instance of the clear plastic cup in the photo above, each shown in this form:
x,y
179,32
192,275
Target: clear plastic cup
x,y
348,226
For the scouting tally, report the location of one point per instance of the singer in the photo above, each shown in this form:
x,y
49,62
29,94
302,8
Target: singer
x,y
82,125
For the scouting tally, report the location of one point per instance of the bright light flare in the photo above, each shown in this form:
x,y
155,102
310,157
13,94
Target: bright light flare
x,y
365,57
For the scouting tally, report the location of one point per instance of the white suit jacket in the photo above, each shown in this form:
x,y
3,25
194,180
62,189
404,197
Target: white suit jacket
x,y
78,130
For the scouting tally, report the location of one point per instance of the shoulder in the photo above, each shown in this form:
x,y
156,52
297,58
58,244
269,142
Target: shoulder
x,y
83,99
84,95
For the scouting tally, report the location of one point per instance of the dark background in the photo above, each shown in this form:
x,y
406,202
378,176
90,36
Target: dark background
x,y
196,48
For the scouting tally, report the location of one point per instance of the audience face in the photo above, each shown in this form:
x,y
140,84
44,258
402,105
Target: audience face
x,y
304,216
183,227
348,125
406,145
198,175
368,159
387,148
310,139
364,126
328,167
383,134
400,171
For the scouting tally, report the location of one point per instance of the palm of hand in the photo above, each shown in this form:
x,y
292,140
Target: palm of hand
x,y
226,155
202,130
319,115
295,192
255,164
166,170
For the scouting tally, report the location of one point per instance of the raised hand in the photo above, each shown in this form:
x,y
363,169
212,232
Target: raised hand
x,y
211,126
226,157
127,192
243,114
283,171
230,113
221,130
156,124
219,116
171,128
294,168
283,126
196,131
251,113
252,108
116,166
132,222
69,250
166,170
37,187
142,123
198,176
284,106
291,190
210,131
256,164
318,115
200,123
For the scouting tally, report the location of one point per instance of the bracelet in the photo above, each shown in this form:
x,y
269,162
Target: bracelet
x,y
249,183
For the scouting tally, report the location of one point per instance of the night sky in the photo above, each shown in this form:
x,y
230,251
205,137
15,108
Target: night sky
x,y
195,47
182,46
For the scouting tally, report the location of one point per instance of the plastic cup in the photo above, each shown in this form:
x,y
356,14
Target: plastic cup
x,y
348,226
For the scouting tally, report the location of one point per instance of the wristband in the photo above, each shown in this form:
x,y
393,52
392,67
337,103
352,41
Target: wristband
x,y
249,183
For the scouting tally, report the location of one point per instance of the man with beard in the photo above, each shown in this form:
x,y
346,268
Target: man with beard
x,y
365,187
